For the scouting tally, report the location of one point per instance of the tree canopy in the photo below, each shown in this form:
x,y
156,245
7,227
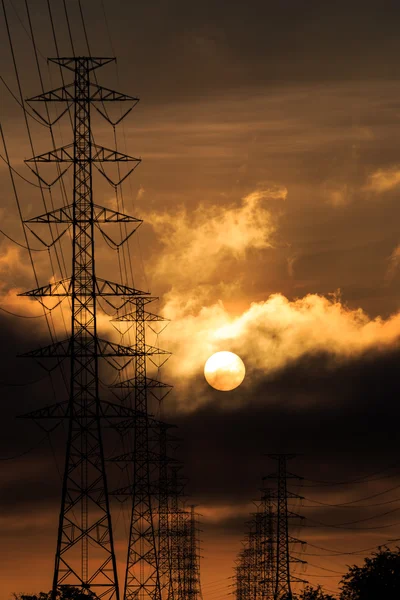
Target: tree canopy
x,y
377,579
313,593
65,593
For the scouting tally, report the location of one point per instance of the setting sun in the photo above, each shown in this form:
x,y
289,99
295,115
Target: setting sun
x,y
224,371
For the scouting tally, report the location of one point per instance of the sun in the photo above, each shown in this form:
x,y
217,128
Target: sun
x,y
224,371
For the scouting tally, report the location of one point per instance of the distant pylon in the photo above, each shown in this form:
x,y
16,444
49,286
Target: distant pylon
x,y
166,503
179,543
268,546
146,568
192,562
255,563
283,578
85,556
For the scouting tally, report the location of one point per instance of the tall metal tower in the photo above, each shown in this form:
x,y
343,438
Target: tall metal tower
x,y
85,555
145,576
283,579
268,546
255,564
192,562
179,542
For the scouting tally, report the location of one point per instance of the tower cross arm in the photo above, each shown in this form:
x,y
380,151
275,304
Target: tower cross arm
x,y
102,94
104,348
64,288
61,94
150,383
109,288
66,154
147,317
97,93
102,154
101,214
152,350
91,63
59,288
62,410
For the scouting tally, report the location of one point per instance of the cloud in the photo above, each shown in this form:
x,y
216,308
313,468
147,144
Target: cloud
x,y
273,334
291,260
383,180
394,262
338,194
196,244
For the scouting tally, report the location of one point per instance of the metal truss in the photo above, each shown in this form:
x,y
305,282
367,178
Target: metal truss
x,y
283,578
179,534
255,563
101,214
85,556
147,558
102,288
78,347
191,575
67,154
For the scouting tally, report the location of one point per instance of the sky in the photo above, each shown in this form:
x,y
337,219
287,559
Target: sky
x,y
268,190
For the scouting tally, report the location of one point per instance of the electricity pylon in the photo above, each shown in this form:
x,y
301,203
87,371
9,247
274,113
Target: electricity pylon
x,y
283,578
147,568
179,536
268,559
85,555
255,564
192,560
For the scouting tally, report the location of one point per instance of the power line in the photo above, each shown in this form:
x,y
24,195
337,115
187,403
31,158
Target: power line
x,y
23,25
20,104
335,552
17,173
24,452
363,479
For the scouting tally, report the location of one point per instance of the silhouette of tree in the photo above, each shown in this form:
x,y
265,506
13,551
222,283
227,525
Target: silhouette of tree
x,y
377,579
70,593
312,593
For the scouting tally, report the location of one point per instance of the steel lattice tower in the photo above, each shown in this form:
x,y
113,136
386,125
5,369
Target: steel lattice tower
x,y
142,549
165,490
255,563
85,555
179,543
283,579
268,548
148,558
192,561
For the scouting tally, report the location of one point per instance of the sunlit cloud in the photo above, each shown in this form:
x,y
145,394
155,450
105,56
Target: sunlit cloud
x,y
216,514
338,195
394,263
195,244
383,180
273,334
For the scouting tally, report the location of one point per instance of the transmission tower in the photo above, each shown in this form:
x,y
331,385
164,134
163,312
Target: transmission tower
x,y
192,562
268,557
255,566
85,555
164,492
179,543
283,579
147,569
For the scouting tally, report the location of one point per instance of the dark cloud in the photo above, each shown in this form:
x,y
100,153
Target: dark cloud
x,y
299,94
340,418
169,51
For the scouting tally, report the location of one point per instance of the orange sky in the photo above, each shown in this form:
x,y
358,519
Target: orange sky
x,y
269,193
